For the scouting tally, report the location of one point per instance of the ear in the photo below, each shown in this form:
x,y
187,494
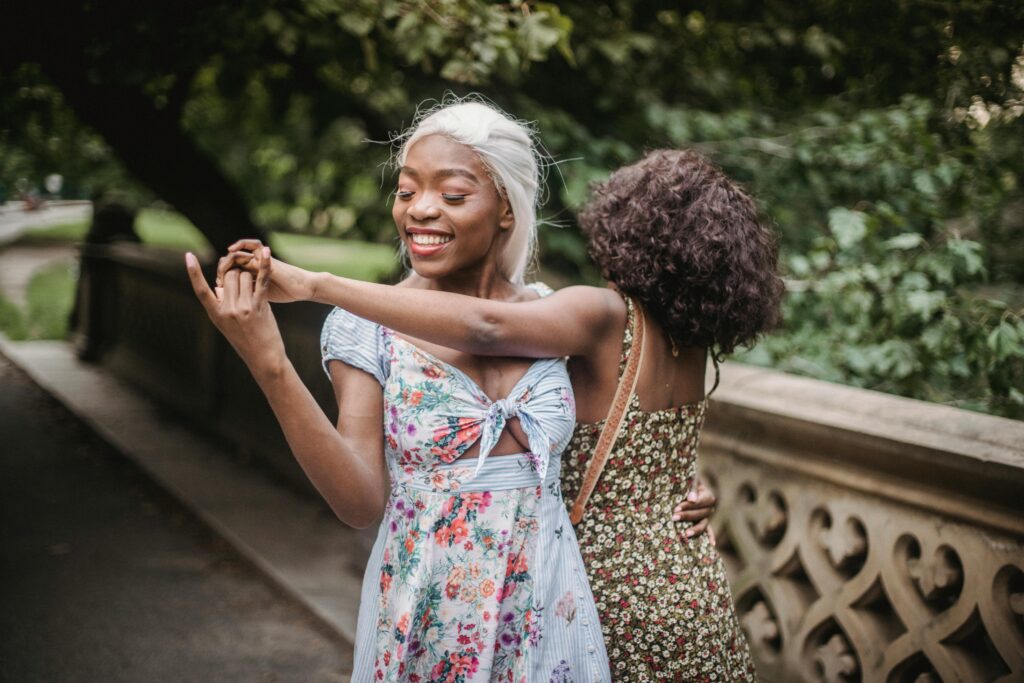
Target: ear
x,y
507,219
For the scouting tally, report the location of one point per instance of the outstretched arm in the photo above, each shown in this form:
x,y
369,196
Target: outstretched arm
x,y
345,463
571,322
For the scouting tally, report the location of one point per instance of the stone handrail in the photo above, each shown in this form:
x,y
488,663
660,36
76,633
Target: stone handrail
x,y
867,537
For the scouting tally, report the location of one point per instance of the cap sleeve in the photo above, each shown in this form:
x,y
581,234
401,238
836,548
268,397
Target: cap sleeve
x,y
354,341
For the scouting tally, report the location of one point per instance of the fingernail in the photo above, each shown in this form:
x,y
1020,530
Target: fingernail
x,y
676,518
189,259
266,252
689,532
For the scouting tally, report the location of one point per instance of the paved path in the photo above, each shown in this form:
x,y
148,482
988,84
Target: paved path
x,y
107,578
15,221
19,262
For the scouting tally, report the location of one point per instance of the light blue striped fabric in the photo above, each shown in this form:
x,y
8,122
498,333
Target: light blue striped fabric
x,y
434,413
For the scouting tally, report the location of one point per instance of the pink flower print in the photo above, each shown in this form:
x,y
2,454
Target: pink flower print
x,y
477,500
467,430
566,607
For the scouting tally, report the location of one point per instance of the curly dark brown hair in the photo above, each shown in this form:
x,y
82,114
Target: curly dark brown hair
x,y
676,234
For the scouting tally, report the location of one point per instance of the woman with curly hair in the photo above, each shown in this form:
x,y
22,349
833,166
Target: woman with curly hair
x,y
693,272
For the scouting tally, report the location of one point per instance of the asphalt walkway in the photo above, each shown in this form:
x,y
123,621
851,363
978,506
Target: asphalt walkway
x,y
134,550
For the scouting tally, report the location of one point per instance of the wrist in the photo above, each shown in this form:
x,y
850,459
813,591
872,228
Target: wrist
x,y
316,286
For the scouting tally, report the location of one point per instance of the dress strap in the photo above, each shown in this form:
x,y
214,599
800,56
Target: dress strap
x,y
627,336
613,423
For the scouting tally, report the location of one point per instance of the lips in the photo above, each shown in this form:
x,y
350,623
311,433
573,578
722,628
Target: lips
x,y
427,241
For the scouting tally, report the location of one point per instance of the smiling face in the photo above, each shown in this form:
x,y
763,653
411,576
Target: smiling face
x,y
447,209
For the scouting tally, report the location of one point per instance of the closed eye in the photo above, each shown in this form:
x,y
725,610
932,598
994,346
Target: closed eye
x,y
453,197
403,194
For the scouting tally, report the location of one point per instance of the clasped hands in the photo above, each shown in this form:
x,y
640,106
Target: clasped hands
x,y
248,279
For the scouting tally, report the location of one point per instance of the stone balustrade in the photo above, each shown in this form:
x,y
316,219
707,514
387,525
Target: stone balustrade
x,y
867,537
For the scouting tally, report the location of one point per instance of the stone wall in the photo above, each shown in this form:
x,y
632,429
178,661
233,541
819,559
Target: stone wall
x,y
868,537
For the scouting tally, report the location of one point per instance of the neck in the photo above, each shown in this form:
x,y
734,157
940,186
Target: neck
x,y
483,282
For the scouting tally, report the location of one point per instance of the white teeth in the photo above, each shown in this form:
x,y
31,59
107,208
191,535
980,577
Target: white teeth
x,y
424,239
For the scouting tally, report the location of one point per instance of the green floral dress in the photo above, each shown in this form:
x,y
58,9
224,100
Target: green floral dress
x,y
664,604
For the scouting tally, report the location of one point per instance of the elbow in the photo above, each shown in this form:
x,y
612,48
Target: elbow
x,y
360,519
485,335
360,522
364,513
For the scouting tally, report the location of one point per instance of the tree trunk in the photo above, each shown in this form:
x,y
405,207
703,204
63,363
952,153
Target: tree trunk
x,y
154,149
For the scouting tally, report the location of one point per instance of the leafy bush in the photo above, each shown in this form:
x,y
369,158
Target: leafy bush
x,y
875,307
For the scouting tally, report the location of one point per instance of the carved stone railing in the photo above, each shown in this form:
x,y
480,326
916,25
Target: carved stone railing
x,y
868,537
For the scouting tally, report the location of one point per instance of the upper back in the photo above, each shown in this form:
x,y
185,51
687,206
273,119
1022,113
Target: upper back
x,y
668,377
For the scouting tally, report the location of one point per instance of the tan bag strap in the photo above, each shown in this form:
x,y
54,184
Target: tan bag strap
x,y
613,424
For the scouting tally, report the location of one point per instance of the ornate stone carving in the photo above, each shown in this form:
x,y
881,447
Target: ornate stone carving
x,y
836,663
760,626
844,542
838,585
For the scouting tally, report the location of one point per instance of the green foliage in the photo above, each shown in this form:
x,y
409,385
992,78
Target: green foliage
x,y
886,141
878,308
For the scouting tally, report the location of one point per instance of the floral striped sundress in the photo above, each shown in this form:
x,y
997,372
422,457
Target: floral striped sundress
x,y
475,574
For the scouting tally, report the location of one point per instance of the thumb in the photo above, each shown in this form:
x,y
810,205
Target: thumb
x,y
263,275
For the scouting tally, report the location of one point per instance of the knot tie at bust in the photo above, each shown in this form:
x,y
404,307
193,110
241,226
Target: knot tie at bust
x,y
506,407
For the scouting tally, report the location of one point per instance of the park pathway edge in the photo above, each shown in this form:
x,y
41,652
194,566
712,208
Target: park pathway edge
x,y
294,541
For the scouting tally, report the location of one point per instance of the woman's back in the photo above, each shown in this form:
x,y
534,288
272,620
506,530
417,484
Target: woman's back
x,y
664,605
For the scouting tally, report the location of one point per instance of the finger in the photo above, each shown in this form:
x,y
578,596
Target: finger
x,y
248,244
245,289
701,498
697,529
241,259
199,284
231,287
711,536
692,515
263,274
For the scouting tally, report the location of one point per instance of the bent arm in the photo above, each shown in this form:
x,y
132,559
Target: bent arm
x,y
570,322
344,462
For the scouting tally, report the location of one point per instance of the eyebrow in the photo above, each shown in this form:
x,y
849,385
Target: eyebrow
x,y
442,173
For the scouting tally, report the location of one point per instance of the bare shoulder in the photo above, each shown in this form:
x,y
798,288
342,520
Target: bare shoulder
x,y
598,302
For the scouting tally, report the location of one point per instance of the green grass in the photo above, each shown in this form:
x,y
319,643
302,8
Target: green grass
x,y
48,300
359,260
155,227
64,232
169,230
12,322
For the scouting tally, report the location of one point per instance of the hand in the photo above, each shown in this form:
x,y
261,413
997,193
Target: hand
x,y
240,310
286,283
697,508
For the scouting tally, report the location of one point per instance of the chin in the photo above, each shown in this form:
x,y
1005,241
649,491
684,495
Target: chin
x,y
430,271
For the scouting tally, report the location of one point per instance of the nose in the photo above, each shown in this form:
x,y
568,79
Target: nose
x,y
424,207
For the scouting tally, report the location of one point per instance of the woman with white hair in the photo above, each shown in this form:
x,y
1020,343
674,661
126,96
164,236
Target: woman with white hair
x,y
475,574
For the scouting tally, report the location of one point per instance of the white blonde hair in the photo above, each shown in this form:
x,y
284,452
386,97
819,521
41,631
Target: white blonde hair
x,y
507,149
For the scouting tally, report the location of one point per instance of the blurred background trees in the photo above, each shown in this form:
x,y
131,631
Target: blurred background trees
x,y
885,140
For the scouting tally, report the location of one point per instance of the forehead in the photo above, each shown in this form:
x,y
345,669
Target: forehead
x,y
438,154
